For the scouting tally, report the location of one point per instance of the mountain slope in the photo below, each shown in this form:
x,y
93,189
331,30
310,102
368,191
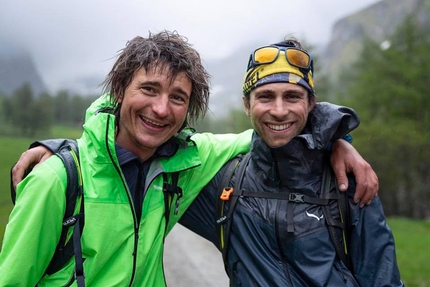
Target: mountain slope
x,y
16,68
376,22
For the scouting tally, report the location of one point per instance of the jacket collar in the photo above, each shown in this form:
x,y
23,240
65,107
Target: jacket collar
x,y
297,163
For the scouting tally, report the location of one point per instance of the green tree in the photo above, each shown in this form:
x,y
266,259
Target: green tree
x,y
389,91
78,106
21,108
42,114
62,104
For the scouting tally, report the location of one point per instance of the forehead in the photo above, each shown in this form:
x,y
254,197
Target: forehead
x,y
280,88
162,75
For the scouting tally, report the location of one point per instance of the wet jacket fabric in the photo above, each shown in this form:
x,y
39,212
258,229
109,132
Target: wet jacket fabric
x,y
118,249
261,250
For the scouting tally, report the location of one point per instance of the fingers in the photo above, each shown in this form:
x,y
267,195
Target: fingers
x,y
28,160
340,173
339,161
361,187
369,186
20,167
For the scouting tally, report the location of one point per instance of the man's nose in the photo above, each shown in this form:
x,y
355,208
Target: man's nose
x,y
279,108
161,105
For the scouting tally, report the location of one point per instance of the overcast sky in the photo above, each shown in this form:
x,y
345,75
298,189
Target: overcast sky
x,y
72,38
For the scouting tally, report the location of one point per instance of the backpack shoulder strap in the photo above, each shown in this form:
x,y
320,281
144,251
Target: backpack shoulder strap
x,y
225,190
225,194
65,249
170,190
340,244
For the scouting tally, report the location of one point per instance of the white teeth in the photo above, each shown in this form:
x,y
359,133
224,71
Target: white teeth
x,y
279,127
153,123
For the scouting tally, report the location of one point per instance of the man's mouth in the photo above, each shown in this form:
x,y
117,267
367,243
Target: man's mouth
x,y
152,123
279,127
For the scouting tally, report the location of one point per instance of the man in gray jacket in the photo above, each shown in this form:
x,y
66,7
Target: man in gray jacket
x,y
279,223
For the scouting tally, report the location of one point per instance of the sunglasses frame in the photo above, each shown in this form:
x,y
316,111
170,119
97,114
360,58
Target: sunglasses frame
x,y
252,63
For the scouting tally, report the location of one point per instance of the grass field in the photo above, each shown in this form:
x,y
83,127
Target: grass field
x,y
413,250
412,236
10,151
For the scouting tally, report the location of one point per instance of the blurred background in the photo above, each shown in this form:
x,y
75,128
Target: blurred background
x,y
370,55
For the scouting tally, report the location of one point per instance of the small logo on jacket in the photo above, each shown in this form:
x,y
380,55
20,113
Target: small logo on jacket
x,y
314,216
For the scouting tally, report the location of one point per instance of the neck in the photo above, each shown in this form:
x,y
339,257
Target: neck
x,y
289,165
142,152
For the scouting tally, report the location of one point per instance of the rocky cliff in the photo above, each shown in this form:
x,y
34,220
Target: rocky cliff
x,y
376,22
16,68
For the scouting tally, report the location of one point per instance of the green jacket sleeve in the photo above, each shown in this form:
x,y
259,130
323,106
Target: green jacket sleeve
x,y
34,226
214,150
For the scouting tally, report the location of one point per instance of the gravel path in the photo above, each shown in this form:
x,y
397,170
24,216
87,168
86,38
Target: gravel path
x,y
190,260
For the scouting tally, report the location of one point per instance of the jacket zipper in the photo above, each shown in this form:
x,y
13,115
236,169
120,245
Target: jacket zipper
x,y
130,200
279,241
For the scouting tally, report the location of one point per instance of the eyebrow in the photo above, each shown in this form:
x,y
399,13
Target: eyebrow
x,y
158,85
264,91
295,92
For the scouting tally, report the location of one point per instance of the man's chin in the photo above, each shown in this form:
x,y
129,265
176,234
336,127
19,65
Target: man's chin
x,y
276,144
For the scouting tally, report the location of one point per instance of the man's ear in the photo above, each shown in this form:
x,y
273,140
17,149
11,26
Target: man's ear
x,y
119,94
246,106
313,102
120,98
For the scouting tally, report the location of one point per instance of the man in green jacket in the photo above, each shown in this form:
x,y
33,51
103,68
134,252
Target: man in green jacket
x,y
134,140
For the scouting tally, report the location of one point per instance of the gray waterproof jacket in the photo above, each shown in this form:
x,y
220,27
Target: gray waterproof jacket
x,y
263,252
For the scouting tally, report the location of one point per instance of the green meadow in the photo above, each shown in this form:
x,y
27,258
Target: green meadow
x,y
412,236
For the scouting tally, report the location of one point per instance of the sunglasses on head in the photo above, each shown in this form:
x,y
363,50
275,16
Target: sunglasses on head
x,y
268,54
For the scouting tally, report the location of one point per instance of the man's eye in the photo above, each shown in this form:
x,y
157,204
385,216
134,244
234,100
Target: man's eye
x,y
294,97
178,99
148,89
264,96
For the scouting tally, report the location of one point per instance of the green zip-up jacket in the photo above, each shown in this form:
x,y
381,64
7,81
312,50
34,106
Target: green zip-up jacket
x,y
118,251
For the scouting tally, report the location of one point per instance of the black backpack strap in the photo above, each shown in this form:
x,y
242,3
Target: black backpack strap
x,y
290,196
224,231
170,190
340,244
224,194
345,216
65,250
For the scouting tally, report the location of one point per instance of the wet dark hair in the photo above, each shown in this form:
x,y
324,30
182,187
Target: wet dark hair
x,y
170,52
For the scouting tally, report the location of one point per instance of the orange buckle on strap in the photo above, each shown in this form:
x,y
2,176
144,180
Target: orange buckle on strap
x,y
226,192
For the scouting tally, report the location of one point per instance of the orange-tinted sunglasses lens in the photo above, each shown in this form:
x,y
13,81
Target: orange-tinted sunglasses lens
x,y
266,55
298,58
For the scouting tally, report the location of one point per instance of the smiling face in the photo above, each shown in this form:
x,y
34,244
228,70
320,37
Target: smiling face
x,y
153,109
278,111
